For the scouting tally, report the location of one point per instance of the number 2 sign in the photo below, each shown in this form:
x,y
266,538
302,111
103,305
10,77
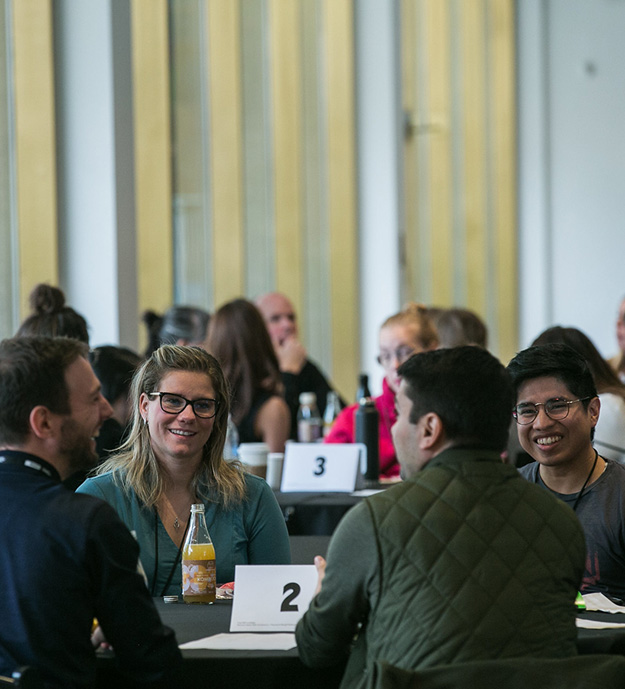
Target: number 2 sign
x,y
271,598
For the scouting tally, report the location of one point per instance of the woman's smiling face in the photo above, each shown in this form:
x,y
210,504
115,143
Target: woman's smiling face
x,y
178,436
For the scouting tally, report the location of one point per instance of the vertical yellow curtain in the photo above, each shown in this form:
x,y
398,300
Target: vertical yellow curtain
x,y
459,159
35,145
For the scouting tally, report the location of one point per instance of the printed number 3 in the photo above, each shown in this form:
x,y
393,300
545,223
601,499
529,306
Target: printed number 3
x,y
321,466
287,605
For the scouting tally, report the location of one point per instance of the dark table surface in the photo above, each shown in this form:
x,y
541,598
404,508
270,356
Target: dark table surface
x,y
282,669
224,669
317,514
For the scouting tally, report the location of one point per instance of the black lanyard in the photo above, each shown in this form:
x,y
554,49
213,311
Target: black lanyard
x,y
30,462
579,495
173,567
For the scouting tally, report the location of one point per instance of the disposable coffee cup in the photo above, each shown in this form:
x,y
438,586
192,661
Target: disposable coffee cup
x,y
254,458
275,461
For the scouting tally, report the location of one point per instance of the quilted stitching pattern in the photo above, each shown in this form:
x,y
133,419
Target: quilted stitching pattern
x,y
496,563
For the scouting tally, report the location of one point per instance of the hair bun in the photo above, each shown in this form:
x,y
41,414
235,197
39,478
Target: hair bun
x,y
46,299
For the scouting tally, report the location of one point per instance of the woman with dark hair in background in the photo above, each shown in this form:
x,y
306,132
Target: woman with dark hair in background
x,y
181,325
114,367
610,429
238,338
50,316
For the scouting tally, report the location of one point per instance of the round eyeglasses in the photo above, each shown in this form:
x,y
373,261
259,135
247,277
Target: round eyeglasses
x,y
556,409
400,355
175,404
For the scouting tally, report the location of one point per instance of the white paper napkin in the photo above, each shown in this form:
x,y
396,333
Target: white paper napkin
x,y
243,642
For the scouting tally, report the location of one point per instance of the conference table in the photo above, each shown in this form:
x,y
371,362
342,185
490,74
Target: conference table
x,y
234,669
224,669
317,514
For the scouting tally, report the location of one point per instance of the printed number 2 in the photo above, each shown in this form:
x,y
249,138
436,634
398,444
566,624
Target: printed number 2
x,y
321,466
295,590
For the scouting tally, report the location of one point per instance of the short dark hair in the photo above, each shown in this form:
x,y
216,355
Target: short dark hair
x,y
32,373
179,323
468,388
114,367
458,327
557,361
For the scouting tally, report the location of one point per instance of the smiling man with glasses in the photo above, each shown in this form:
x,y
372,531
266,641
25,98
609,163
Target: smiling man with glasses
x,y
556,411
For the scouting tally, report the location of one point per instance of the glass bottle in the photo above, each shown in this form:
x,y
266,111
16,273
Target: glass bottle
x,y
199,580
333,407
309,421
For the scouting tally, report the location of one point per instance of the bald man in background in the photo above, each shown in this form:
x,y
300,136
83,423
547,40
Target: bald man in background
x,y
299,373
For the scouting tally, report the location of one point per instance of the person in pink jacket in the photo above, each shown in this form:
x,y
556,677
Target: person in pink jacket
x,y
405,333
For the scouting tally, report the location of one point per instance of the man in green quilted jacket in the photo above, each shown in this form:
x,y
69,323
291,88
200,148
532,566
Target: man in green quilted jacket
x,y
464,560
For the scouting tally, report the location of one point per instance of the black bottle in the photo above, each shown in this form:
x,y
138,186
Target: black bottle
x,y
363,387
367,432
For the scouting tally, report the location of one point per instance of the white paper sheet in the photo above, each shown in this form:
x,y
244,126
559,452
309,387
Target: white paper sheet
x,y
583,623
597,602
243,642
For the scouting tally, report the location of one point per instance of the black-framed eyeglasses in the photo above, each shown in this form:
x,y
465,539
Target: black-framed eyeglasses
x,y
555,408
175,404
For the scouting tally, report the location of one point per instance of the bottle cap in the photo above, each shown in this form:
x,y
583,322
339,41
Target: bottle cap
x,y
307,398
170,599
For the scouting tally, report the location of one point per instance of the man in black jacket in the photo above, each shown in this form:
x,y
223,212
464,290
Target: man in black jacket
x,y
66,559
299,373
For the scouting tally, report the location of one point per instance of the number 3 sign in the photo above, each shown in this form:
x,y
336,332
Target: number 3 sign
x,y
321,468
271,598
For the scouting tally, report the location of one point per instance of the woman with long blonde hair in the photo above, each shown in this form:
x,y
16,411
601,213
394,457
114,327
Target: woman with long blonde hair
x,y
173,458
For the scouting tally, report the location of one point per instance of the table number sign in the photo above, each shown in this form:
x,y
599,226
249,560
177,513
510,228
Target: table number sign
x,y
317,467
271,598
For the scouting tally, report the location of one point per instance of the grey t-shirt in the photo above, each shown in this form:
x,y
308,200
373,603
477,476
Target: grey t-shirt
x,y
601,512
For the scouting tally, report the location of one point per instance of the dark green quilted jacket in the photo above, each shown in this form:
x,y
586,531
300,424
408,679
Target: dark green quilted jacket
x,y
466,561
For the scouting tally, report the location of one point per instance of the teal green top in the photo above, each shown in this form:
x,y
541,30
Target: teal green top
x,y
253,532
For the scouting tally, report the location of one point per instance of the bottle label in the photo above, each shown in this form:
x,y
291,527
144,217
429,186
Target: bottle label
x,y
308,432
198,577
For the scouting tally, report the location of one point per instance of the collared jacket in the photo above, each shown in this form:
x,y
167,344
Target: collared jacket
x,y
66,559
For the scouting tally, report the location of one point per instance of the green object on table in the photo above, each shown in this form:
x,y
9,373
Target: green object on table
x,y
579,602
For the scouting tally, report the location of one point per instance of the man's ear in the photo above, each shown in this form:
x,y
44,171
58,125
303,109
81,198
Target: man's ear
x,y
432,431
42,422
594,407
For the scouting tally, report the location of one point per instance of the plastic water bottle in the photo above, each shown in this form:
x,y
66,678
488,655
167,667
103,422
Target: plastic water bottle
x,y
309,421
333,407
232,441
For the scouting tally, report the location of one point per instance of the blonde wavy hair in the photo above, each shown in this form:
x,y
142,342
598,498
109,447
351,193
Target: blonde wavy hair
x,y
416,316
135,466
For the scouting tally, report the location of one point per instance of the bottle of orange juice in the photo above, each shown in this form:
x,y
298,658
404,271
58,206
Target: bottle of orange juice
x,y
198,561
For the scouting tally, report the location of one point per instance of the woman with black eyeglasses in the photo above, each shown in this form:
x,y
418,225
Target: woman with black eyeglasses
x,y
172,459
